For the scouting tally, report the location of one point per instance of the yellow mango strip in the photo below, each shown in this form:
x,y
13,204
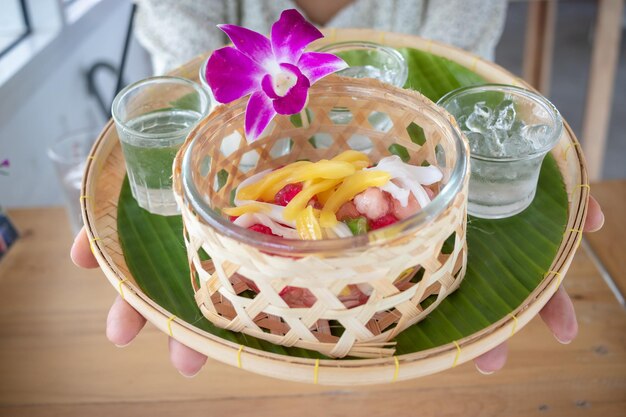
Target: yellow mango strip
x,y
255,190
323,196
353,157
323,169
300,201
307,225
351,186
248,208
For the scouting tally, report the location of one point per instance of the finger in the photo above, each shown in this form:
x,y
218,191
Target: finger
x,y
81,251
492,361
186,360
559,316
595,217
123,323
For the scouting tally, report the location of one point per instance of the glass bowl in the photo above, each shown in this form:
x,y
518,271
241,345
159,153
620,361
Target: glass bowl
x,y
395,268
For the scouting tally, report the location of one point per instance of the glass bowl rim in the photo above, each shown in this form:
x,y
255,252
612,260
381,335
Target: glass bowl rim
x,y
402,75
546,104
269,243
161,79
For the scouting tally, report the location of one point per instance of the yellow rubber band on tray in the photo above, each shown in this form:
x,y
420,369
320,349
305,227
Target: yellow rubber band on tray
x,y
473,65
91,243
429,45
558,275
91,157
587,186
458,353
316,371
397,370
239,357
514,323
580,235
169,325
566,150
121,288
83,197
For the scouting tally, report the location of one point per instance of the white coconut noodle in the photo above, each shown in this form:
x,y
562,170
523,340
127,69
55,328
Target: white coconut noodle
x,y
250,219
407,178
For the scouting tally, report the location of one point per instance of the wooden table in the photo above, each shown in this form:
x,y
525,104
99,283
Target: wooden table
x,y
55,359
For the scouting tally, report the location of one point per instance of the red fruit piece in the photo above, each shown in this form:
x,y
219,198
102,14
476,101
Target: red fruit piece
x,y
383,221
261,228
287,193
233,218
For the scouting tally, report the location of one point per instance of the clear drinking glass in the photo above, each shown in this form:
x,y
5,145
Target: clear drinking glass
x,y
153,118
510,131
69,154
368,60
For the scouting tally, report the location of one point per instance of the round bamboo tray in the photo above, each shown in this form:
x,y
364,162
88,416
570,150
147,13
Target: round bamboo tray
x,y
103,179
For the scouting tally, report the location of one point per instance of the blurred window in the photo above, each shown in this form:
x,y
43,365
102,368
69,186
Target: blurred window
x,y
14,24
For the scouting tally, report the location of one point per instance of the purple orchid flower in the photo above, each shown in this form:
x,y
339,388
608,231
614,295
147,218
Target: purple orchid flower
x,y
275,72
5,163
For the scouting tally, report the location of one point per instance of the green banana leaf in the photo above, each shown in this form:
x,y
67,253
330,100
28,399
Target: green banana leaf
x,y
507,258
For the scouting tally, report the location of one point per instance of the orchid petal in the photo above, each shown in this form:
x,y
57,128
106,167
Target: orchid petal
x,y
293,102
250,43
232,75
317,65
259,114
268,88
291,33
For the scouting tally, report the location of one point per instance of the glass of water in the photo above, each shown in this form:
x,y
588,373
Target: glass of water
x,y
69,154
370,60
153,117
510,130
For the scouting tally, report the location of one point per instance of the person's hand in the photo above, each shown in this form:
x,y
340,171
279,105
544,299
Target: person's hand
x,y
558,313
124,323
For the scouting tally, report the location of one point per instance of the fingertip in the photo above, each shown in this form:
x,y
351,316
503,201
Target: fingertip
x,y
123,323
482,371
187,361
567,332
560,317
81,253
492,361
595,216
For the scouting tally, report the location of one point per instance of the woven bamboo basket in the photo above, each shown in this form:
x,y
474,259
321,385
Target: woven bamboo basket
x,y
102,183
216,158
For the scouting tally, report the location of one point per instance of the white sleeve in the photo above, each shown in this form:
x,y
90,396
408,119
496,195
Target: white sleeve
x,y
174,32
474,25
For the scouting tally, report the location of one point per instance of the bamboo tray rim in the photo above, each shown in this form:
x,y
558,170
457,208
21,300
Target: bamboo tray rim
x,y
347,371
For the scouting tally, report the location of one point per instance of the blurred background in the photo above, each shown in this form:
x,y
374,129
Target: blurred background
x,y
59,61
